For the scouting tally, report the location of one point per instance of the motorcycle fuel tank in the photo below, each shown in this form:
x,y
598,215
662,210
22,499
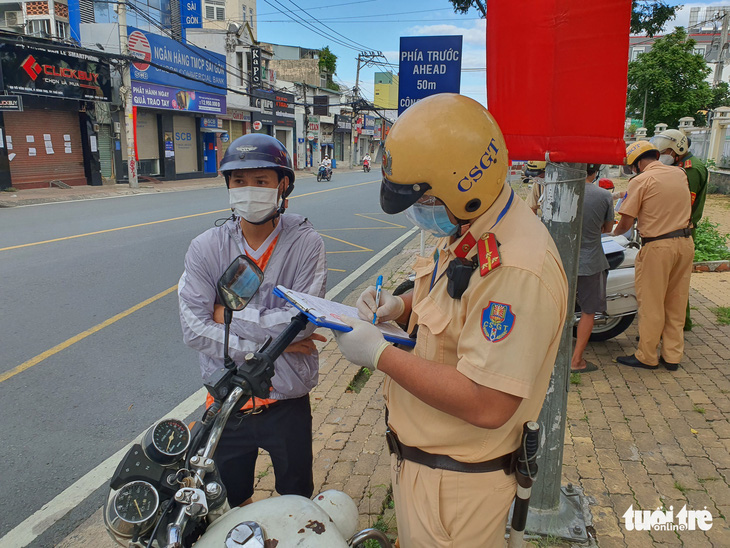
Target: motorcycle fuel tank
x,y
287,521
620,292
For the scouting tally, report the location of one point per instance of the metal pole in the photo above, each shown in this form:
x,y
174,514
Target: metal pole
x,y
555,510
721,54
127,97
643,114
354,114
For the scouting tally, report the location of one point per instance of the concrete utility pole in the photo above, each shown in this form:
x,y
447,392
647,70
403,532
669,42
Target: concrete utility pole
x,y
127,96
356,97
721,55
556,510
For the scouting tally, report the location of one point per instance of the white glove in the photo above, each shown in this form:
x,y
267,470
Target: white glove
x,y
363,345
390,306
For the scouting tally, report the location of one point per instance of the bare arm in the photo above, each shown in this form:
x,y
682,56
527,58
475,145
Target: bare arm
x,y
446,389
607,227
623,225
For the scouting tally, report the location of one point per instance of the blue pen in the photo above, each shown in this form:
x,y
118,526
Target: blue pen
x,y
378,289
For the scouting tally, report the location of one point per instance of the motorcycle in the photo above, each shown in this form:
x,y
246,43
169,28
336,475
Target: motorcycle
x,y
366,166
167,492
324,173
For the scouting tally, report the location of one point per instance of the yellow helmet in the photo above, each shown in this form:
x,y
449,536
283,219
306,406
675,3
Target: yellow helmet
x,y
534,168
447,146
671,138
636,150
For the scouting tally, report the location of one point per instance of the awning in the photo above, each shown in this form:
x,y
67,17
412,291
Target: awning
x,y
212,130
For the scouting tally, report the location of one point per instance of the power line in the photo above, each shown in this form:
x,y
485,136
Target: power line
x,y
333,30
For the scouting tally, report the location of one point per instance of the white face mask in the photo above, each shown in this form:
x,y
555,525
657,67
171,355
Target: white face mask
x,y
252,203
666,159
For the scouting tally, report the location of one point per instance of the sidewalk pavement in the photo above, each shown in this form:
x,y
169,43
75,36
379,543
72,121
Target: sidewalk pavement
x,y
34,196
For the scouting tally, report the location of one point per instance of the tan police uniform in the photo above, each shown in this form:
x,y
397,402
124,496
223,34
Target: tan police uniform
x,y
504,334
659,198
533,198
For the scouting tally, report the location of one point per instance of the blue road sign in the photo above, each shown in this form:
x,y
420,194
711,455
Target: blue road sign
x,y
428,65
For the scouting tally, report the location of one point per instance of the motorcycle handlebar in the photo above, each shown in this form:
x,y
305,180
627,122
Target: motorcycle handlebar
x,y
274,349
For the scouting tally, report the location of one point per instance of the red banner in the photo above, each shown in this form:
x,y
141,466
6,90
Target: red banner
x,y
556,77
134,125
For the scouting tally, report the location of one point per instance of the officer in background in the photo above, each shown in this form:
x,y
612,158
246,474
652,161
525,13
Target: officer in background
x,y
673,146
489,307
535,170
658,196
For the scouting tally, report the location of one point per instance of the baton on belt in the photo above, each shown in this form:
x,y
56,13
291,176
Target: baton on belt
x,y
525,473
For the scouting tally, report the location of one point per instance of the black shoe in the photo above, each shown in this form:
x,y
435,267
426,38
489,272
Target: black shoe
x,y
669,366
633,362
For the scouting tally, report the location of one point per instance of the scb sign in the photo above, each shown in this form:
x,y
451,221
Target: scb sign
x,y
191,14
428,65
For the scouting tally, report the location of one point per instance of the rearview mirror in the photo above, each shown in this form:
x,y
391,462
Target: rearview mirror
x,y
239,283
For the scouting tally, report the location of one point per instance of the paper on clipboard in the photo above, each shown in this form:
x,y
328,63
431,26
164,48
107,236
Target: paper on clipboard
x,y
611,246
328,313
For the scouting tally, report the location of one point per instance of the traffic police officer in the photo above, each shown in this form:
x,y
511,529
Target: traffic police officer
x,y
674,146
489,307
659,197
535,170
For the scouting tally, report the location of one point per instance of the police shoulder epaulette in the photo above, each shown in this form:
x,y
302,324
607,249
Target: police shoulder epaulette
x,y
488,253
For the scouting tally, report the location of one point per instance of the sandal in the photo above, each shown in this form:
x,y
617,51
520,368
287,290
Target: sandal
x,y
587,369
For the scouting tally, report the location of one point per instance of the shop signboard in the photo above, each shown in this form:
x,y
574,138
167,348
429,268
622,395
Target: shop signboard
x,y
210,123
191,14
343,123
11,103
321,105
428,65
255,78
167,98
51,72
197,69
278,104
368,127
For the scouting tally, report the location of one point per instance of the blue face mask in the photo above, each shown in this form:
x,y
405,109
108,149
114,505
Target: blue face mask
x,y
432,218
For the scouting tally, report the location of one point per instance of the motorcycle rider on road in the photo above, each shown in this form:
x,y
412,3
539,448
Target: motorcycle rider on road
x,y
366,161
259,175
327,163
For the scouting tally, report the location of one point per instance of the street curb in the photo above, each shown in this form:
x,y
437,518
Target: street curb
x,y
711,266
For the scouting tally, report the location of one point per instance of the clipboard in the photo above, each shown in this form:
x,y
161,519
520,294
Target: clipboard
x,y
326,313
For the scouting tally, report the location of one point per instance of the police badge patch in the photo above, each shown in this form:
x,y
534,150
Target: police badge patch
x,y
497,321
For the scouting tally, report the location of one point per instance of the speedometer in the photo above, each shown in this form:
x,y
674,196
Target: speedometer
x,y
166,441
132,509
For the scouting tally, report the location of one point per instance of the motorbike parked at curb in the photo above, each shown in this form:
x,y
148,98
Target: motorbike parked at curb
x,y
324,173
167,492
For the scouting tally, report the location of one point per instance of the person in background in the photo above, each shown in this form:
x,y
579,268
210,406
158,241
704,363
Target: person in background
x,y
259,176
592,264
673,146
535,171
658,196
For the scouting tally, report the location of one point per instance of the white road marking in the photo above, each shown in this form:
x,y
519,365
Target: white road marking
x,y
38,523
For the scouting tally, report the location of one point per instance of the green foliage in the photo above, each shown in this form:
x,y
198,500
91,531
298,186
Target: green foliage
x,y
720,96
650,16
710,245
575,378
723,314
672,79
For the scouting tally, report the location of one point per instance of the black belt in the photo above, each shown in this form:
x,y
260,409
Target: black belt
x,y
681,233
444,462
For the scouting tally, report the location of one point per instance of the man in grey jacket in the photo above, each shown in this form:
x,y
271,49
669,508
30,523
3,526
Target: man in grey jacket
x,y
259,176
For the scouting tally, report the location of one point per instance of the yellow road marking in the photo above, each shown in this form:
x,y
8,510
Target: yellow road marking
x,y
165,220
68,342
359,228
379,220
336,270
344,242
349,251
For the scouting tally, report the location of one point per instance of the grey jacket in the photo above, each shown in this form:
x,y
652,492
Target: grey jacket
x,y
298,263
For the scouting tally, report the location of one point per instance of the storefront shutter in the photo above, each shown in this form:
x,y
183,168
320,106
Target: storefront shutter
x,y
63,160
105,150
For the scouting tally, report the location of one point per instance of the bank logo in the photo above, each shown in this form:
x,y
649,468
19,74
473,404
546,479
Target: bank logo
x,y
665,520
31,67
139,47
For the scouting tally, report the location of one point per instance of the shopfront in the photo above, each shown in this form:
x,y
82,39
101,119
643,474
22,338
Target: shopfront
x,y
343,128
276,116
50,132
173,141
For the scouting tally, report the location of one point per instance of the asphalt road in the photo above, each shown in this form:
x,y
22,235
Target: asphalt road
x,y
91,349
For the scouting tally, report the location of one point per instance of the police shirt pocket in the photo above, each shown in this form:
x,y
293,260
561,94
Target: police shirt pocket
x,y
432,321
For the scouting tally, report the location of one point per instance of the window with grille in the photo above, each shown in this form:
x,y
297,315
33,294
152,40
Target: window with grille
x,y
62,29
39,27
215,9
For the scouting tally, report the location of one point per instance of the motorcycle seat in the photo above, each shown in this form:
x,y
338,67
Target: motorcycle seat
x,y
615,259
